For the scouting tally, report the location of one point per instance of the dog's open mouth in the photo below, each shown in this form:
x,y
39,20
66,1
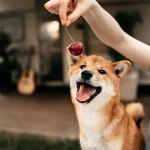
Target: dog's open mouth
x,y
85,92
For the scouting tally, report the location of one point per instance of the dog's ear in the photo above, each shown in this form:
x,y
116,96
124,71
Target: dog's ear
x,y
72,59
121,68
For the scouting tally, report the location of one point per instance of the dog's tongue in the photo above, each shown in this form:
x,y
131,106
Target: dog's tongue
x,y
85,92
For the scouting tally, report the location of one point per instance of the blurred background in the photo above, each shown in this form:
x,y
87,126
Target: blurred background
x,y
35,106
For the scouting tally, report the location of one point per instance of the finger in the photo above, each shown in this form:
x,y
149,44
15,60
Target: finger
x,y
78,11
63,11
72,5
52,6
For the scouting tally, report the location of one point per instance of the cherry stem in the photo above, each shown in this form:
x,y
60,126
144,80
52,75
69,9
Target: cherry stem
x,y
69,35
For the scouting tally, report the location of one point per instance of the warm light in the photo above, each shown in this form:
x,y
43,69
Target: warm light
x,y
50,30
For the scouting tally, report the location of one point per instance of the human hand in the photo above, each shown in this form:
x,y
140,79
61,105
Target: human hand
x,y
62,7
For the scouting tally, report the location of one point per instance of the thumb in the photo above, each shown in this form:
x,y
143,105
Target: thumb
x,y
78,11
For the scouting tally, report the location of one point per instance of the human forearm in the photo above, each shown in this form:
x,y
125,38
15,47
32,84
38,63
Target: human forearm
x,y
109,32
135,50
104,25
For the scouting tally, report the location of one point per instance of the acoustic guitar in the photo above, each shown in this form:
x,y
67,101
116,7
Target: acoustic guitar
x,y
26,84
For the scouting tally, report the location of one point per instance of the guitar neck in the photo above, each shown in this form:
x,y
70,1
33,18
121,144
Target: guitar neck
x,y
30,57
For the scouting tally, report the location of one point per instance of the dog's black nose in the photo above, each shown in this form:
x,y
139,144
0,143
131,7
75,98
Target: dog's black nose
x,y
86,75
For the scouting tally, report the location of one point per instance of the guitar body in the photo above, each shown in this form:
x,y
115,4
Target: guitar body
x,y
26,85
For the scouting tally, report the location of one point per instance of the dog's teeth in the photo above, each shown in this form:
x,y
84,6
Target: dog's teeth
x,y
94,92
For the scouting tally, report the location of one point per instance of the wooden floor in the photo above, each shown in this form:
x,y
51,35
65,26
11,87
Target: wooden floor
x,y
50,115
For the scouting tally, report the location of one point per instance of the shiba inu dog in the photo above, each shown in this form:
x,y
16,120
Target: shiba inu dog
x,y
104,122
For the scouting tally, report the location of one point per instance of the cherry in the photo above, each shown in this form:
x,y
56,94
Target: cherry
x,y
76,48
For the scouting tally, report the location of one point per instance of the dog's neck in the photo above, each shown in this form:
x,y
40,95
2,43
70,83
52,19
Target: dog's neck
x,y
98,120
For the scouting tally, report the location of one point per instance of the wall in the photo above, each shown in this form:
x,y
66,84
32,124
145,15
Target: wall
x,y
16,5
27,7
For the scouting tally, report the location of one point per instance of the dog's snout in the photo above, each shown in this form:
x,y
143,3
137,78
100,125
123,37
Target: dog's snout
x,y
86,75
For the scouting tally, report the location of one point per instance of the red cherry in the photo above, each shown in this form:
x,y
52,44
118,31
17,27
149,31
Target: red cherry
x,y
76,48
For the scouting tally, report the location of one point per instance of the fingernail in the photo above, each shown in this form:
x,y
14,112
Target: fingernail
x,y
46,5
62,22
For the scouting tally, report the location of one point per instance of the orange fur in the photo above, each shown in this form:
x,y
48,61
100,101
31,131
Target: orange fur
x,y
105,123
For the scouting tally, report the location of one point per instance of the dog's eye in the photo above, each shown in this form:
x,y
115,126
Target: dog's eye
x,y
82,66
102,71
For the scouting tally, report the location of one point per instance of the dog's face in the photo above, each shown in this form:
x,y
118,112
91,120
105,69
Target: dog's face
x,y
94,80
